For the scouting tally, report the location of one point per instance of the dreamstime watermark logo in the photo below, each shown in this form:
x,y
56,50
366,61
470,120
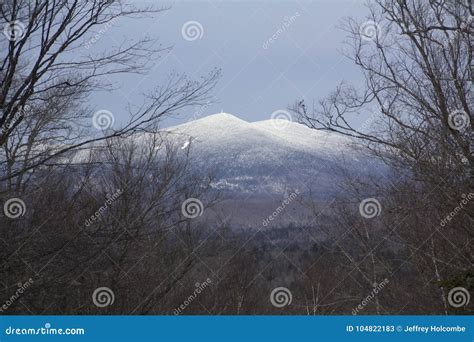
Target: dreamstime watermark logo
x,y
370,208
192,208
199,288
281,119
19,291
368,299
369,30
22,112
287,22
385,107
192,30
367,124
459,297
281,297
197,114
14,208
464,27
46,330
103,119
103,30
458,120
110,199
103,296
8,124
467,23
281,207
14,30
458,208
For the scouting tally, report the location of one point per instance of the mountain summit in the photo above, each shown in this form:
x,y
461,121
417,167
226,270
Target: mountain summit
x,y
217,129
265,157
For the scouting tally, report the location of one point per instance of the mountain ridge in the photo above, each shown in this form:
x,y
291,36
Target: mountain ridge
x,y
263,157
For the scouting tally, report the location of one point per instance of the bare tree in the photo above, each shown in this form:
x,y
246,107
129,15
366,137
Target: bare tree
x,y
117,224
416,57
46,73
100,200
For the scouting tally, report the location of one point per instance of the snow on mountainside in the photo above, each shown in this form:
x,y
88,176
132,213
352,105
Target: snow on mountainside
x,y
265,157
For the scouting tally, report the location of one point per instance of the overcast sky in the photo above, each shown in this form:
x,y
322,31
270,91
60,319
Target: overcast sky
x,y
259,75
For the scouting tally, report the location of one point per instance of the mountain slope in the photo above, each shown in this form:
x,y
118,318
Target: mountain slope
x,y
266,157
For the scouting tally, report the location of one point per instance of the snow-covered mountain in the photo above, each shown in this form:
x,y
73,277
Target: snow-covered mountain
x,y
267,157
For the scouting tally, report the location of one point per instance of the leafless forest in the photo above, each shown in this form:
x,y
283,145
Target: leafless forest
x,y
92,219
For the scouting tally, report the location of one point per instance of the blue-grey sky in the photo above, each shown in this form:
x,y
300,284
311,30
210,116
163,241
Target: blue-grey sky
x,y
258,76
